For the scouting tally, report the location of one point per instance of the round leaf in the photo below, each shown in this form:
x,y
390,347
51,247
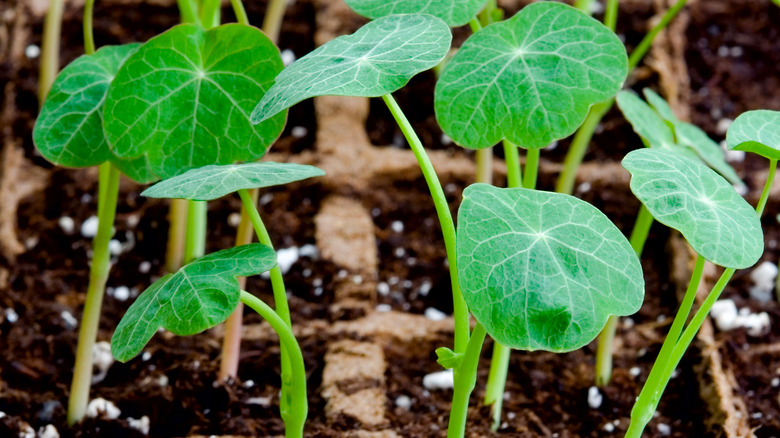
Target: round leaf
x,y
183,99
453,12
212,182
530,79
376,60
197,297
756,131
541,270
69,129
690,197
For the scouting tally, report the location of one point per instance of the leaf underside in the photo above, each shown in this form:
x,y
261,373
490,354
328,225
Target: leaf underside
x,y
541,270
212,182
453,12
197,297
183,99
757,132
530,79
69,128
376,60
688,196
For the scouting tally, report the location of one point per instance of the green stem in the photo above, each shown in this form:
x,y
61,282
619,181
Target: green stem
x,y
50,49
610,15
641,50
496,383
460,309
584,5
296,398
465,378
177,232
210,13
579,146
474,25
486,15
272,23
776,2
89,39
531,168
195,244
238,9
485,166
767,186
98,275
512,159
279,291
638,238
187,10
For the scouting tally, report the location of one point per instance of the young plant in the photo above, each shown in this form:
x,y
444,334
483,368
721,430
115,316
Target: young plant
x,y
720,226
205,292
659,128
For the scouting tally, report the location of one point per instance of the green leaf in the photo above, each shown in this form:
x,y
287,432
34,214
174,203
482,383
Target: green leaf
x,y
530,79
69,129
688,196
756,131
376,60
183,99
212,182
691,136
448,358
646,122
541,270
198,296
453,12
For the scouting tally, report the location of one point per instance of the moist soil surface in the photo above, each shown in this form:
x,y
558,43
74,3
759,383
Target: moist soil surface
x,y
174,383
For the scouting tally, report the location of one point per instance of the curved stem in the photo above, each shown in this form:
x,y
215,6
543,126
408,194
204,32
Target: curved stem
x,y
50,49
767,187
89,39
296,398
638,238
579,146
195,244
641,50
238,9
272,23
460,309
465,378
98,275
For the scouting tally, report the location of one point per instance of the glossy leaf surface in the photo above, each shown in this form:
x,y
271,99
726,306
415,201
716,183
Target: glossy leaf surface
x,y
453,12
212,182
756,131
530,79
183,99
376,60
198,296
541,270
69,128
688,196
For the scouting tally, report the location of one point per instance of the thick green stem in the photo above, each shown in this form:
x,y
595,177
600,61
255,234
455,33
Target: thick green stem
x,y
272,23
460,309
177,235
641,50
465,378
638,238
188,11
295,399
579,146
485,166
531,168
610,15
277,285
238,9
512,159
210,13
50,49
195,244
98,275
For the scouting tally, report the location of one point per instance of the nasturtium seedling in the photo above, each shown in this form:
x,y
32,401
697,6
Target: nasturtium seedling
x,y
542,270
530,79
688,196
647,123
183,99
376,60
453,12
199,296
691,136
69,128
756,131
211,182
